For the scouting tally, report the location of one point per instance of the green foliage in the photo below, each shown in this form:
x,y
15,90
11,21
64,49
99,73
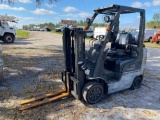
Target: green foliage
x,y
154,22
83,23
156,17
37,1
50,25
28,27
22,34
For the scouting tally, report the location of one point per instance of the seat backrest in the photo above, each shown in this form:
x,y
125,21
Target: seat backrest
x,y
122,41
134,38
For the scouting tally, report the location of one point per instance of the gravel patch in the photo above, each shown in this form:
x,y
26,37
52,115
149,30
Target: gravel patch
x,y
32,67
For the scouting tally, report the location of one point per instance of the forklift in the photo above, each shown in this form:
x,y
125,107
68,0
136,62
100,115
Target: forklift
x,y
91,74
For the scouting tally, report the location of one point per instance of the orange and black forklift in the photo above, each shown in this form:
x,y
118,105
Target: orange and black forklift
x,y
91,74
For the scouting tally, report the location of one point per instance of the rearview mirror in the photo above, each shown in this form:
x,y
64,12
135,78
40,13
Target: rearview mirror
x,y
107,19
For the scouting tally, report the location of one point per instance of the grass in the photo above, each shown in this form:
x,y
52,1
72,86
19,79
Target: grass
x,y
22,34
152,45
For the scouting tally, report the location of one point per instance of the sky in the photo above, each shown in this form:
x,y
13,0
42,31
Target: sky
x,y
27,11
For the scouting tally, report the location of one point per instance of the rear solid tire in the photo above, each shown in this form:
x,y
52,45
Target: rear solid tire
x,y
92,92
8,38
136,83
149,40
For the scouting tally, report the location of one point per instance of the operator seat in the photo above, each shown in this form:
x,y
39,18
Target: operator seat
x,y
120,53
120,46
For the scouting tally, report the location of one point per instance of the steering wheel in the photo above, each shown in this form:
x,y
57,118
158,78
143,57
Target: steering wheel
x,y
101,37
123,31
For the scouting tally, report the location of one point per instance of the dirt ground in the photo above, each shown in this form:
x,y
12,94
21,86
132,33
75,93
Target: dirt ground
x,y
32,67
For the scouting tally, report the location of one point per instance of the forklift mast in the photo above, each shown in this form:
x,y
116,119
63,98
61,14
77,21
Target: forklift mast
x,y
74,54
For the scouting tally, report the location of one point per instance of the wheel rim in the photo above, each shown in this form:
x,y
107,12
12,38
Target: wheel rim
x,y
101,37
9,39
95,94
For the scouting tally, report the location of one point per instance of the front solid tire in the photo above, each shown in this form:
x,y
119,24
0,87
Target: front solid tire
x,y
92,92
136,83
8,38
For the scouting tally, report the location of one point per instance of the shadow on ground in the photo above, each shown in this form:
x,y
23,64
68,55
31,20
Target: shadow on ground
x,y
31,71
22,41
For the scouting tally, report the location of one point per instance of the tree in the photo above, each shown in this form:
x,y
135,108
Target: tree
x,y
155,21
40,1
25,27
156,17
49,25
37,1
